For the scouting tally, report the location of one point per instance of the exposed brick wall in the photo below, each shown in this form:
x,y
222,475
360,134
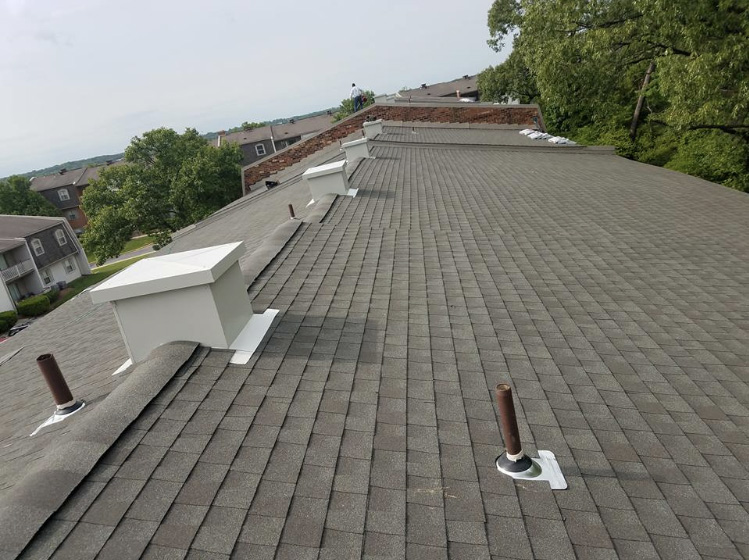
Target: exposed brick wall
x,y
79,223
500,114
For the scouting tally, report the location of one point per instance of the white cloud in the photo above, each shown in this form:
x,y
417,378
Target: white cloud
x,y
15,7
129,66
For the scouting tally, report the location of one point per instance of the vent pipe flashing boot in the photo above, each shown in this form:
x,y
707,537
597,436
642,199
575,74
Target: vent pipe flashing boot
x,y
372,128
514,462
356,149
66,404
64,400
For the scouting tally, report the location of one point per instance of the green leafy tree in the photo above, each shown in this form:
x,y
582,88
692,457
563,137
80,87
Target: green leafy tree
x,y
169,181
16,197
252,125
507,81
347,106
635,72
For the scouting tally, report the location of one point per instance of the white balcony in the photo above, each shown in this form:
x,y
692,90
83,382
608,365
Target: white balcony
x,y
17,270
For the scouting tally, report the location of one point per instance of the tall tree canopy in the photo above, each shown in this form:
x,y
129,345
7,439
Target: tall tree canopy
x,y
169,181
347,105
16,197
663,80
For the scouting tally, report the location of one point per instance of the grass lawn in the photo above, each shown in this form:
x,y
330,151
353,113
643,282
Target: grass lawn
x,y
137,243
96,276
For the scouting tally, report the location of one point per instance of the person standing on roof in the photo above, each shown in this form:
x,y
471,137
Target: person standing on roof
x,y
356,95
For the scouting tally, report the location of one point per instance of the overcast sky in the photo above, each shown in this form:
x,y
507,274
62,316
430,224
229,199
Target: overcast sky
x,y
80,78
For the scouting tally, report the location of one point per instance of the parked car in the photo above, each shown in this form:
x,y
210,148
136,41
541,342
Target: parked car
x,y
18,328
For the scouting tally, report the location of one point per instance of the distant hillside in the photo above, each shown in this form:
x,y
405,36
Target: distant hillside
x,y
90,162
100,160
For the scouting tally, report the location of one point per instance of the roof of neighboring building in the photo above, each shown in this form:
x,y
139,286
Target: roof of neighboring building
x,y
57,180
443,89
92,173
76,177
610,294
279,132
6,244
301,127
22,226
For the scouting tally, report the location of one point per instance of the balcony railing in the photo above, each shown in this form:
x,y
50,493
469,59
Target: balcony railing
x,y
17,270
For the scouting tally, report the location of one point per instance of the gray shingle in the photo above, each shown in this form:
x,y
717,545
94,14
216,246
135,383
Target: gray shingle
x,y
400,311
219,530
305,522
180,526
346,512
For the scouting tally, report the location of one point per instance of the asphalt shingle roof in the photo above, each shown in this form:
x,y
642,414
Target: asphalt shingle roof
x,y
85,338
57,180
279,132
611,295
462,136
80,177
465,85
12,227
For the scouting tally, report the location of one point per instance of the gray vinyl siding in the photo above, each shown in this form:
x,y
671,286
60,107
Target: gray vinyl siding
x,y
53,251
249,155
53,196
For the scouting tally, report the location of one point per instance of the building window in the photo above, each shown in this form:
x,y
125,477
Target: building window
x,y
63,194
61,239
72,215
46,276
36,245
69,265
260,150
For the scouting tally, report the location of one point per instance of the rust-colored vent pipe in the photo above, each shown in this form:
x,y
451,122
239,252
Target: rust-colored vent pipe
x,y
57,385
513,460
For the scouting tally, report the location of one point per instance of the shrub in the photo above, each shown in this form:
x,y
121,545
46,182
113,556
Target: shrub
x,y
53,295
7,320
34,306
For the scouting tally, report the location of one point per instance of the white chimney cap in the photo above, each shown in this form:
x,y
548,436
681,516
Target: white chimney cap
x,y
169,272
358,142
327,169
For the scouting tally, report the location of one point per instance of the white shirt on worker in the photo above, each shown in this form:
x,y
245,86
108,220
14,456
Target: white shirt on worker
x,y
355,92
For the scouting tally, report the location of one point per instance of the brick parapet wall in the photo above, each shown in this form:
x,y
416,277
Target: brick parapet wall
x,y
487,114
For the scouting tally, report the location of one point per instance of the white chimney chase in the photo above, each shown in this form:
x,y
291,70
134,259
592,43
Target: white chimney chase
x,y
196,295
327,179
372,128
356,149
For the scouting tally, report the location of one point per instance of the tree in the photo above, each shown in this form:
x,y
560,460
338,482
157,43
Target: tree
x,y
347,106
16,197
507,81
168,182
252,125
605,69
